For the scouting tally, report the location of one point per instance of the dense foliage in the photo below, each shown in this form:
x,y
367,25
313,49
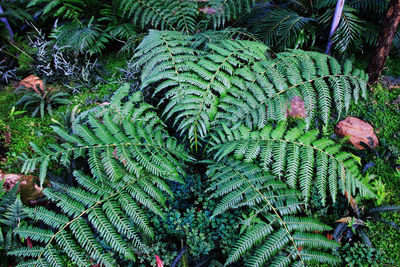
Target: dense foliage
x,y
180,149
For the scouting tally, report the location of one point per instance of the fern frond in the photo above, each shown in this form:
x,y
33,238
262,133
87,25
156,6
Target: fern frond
x,y
70,9
79,37
310,160
280,28
130,156
278,236
162,55
165,15
262,92
222,11
349,32
194,99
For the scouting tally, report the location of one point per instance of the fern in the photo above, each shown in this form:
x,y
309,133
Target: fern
x,y
162,55
276,235
166,15
368,7
281,28
349,32
236,83
183,16
202,39
79,37
226,10
129,163
70,9
12,214
220,94
124,105
262,91
196,86
294,156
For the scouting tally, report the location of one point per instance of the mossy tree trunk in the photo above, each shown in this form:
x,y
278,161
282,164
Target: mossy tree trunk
x,y
388,31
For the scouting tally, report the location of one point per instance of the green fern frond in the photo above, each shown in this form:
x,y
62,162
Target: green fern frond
x,y
278,236
78,37
162,55
349,32
202,39
295,156
13,214
280,28
263,91
130,157
194,98
222,11
368,7
236,84
70,9
165,15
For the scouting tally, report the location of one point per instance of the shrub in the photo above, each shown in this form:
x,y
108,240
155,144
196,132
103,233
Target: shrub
x,y
358,254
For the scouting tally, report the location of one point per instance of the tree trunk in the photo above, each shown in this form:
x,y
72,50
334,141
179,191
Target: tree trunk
x,y
386,36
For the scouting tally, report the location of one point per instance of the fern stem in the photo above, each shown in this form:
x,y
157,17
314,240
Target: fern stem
x,y
170,53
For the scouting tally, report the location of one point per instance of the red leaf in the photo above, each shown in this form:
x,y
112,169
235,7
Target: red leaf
x,y
29,242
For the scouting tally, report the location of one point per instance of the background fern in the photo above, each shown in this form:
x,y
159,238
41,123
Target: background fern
x,y
12,214
303,24
282,28
184,16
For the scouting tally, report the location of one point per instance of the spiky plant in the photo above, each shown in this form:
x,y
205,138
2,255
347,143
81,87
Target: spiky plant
x,y
354,227
42,99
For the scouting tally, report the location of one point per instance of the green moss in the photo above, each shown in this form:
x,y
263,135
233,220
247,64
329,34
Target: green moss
x,y
386,238
7,99
383,113
392,67
23,131
113,62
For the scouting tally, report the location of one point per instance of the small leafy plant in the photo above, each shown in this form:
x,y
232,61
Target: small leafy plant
x,y
41,100
358,254
354,228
